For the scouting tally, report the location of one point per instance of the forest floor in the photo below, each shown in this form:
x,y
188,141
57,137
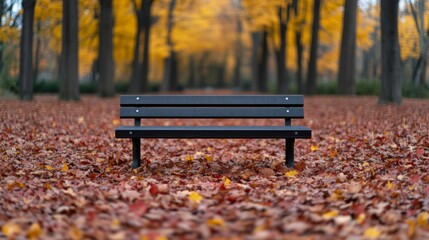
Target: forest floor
x,y
363,175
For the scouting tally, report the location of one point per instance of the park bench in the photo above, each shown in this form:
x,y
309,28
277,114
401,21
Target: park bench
x,y
243,106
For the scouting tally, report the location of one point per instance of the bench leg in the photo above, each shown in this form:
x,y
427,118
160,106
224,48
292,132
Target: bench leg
x,y
136,153
289,152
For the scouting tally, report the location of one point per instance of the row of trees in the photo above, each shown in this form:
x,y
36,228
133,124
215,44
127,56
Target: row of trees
x,y
308,25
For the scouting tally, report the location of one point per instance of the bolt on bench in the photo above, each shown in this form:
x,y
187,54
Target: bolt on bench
x,y
243,106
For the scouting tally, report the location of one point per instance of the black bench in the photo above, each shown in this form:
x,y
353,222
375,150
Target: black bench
x,y
244,106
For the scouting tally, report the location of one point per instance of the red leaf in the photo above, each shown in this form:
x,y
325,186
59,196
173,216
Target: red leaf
x,y
419,152
154,191
139,207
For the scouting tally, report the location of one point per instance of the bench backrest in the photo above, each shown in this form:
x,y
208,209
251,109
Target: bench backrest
x,y
235,106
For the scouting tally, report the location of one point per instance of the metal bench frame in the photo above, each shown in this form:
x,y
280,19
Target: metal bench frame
x,y
234,106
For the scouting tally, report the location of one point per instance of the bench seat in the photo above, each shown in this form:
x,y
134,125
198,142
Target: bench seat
x,y
213,132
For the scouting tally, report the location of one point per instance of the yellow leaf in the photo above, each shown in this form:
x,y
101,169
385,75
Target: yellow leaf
x,y
107,169
333,153
208,158
20,184
116,223
195,197
10,229
209,149
361,218
48,186
80,119
65,168
35,231
411,227
226,181
189,158
214,222
49,168
314,148
372,232
422,219
329,215
115,122
389,185
75,233
291,173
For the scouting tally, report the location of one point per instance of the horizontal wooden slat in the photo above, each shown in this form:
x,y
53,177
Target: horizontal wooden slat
x,y
212,132
217,112
213,101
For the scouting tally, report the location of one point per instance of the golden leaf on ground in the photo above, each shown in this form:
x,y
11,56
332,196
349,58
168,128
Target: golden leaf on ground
x,y
291,173
75,233
361,218
314,148
81,120
48,186
422,219
372,232
226,181
329,215
411,227
195,197
389,185
216,222
208,158
150,237
65,168
116,122
49,168
333,153
189,158
34,232
10,229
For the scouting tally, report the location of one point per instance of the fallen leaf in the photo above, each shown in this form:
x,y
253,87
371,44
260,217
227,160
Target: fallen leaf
x,y
422,219
216,222
189,158
75,233
65,168
361,218
195,197
81,119
419,152
34,231
10,229
411,227
208,158
139,207
389,185
329,215
291,173
314,148
226,181
372,233
49,168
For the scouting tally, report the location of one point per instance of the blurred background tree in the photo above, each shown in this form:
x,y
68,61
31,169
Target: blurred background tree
x,y
279,46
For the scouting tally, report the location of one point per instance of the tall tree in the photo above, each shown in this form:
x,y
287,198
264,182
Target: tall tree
x,y
283,14
418,13
170,64
69,82
26,51
238,52
312,63
391,81
106,86
298,44
140,73
346,72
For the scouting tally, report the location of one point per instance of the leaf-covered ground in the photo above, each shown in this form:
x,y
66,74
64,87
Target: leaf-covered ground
x,y
364,174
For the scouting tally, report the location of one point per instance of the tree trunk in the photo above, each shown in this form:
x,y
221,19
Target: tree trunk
x,y
2,12
419,71
201,70
283,14
106,86
37,52
312,63
256,42
346,71
238,55
170,69
262,64
26,53
69,82
391,81
147,23
140,72
299,48
191,72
